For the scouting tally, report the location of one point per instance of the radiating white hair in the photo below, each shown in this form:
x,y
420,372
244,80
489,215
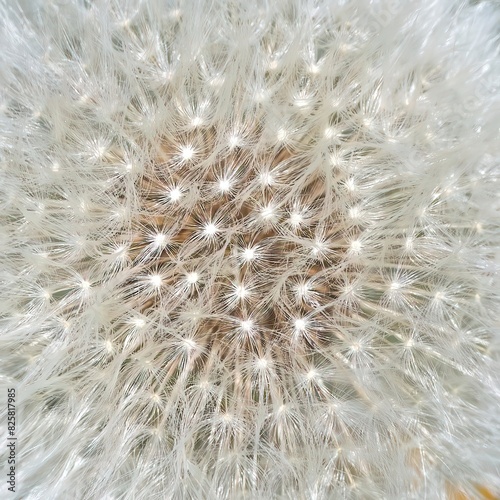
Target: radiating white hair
x,y
249,250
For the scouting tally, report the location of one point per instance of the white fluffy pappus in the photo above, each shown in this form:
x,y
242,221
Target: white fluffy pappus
x,y
249,250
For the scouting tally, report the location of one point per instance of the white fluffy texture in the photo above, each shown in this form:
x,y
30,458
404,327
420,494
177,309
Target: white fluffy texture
x,y
248,249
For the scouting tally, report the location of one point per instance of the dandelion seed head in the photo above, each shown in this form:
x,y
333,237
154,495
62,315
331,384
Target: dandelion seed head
x,y
252,248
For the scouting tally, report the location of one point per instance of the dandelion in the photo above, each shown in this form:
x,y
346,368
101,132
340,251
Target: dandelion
x,y
249,250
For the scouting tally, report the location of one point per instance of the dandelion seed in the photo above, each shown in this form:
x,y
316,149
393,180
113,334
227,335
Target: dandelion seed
x,y
395,285
266,178
249,254
187,153
314,69
189,345
296,219
302,290
267,212
262,364
300,324
409,244
192,278
197,121
282,135
175,194
247,325
224,185
273,65
355,213
156,280
318,248
356,246
160,240
329,132
234,141
210,229
139,322
241,292
155,397
261,96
